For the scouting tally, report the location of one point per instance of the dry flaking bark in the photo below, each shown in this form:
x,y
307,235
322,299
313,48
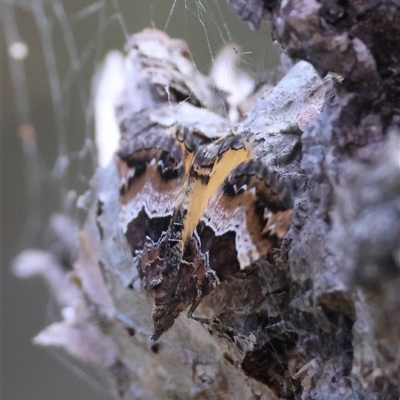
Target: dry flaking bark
x,y
317,319
344,246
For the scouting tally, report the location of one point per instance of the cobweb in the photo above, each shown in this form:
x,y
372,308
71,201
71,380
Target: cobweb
x,y
52,52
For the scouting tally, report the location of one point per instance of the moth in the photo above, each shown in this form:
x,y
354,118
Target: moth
x,y
194,211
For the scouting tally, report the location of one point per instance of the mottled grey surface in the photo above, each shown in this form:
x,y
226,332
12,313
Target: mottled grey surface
x,y
342,249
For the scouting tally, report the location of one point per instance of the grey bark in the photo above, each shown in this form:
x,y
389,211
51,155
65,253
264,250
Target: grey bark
x,y
319,317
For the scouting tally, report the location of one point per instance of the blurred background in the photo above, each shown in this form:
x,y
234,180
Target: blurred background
x,y
51,50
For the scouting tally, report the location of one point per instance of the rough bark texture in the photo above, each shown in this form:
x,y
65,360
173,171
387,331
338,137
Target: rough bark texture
x,y
317,319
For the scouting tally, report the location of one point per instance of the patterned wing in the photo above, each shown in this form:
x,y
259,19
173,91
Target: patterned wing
x,y
245,217
152,166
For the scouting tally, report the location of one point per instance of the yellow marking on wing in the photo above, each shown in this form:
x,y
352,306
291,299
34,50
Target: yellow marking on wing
x,y
201,193
187,157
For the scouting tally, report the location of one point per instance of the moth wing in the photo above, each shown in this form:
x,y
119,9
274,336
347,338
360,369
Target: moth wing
x,y
152,163
244,218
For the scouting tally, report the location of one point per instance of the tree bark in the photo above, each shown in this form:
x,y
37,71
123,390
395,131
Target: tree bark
x,y
318,318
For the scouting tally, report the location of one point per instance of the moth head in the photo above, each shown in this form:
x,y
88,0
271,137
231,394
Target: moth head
x,y
162,322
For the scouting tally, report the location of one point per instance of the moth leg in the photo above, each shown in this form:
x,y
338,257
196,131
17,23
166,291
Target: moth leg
x,y
193,307
133,281
205,286
205,321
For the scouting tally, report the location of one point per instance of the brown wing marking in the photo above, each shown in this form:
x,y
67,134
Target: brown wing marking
x,y
247,206
152,169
